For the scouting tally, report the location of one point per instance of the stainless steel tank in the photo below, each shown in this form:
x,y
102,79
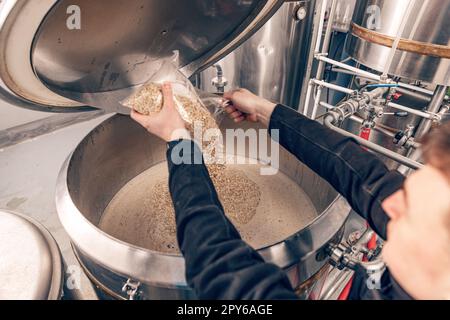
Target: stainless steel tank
x,y
119,150
272,63
423,28
31,267
47,61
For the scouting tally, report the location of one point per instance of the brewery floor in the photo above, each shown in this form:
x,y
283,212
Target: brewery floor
x,y
28,172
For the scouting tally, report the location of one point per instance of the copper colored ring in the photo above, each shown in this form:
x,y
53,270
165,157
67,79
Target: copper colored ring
x,y
423,48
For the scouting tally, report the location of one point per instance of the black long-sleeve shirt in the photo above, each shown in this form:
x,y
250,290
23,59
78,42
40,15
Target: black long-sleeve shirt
x,y
220,265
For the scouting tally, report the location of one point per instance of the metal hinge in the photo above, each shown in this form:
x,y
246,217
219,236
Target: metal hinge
x,y
131,288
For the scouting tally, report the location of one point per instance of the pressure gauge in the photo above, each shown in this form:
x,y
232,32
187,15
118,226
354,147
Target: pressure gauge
x,y
300,13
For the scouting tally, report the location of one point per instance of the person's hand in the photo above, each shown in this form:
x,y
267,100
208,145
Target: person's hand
x,y
167,124
248,106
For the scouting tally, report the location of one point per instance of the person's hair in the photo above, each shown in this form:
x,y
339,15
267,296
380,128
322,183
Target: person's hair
x,y
436,148
436,151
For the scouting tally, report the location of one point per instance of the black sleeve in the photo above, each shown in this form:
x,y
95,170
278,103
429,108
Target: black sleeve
x,y
219,264
357,174
384,288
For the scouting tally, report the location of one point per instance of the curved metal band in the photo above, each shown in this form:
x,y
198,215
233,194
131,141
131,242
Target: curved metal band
x,y
93,279
419,47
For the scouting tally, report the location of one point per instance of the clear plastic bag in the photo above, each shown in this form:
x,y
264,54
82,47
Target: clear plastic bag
x,y
201,111
215,104
147,99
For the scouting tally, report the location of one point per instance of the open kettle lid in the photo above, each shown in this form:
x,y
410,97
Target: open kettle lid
x,y
104,47
30,261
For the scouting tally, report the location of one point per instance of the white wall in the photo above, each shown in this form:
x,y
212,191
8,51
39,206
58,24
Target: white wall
x,y
11,116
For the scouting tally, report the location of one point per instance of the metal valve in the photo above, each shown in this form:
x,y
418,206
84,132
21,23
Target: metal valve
x,y
220,82
403,138
349,255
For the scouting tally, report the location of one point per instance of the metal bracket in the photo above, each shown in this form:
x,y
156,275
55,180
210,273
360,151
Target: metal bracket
x,y
131,288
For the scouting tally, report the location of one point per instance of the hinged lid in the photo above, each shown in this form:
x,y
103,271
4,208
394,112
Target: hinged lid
x,y
82,46
30,261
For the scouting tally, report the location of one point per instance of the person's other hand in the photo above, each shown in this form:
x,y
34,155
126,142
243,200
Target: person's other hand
x,y
248,106
167,124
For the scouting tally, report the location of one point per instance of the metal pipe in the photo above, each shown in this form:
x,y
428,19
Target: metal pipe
x,y
414,94
310,57
370,76
338,283
317,50
410,110
327,39
425,125
382,85
418,89
317,98
316,103
319,93
329,123
308,98
334,86
397,39
350,68
327,105
434,107
345,71
323,10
